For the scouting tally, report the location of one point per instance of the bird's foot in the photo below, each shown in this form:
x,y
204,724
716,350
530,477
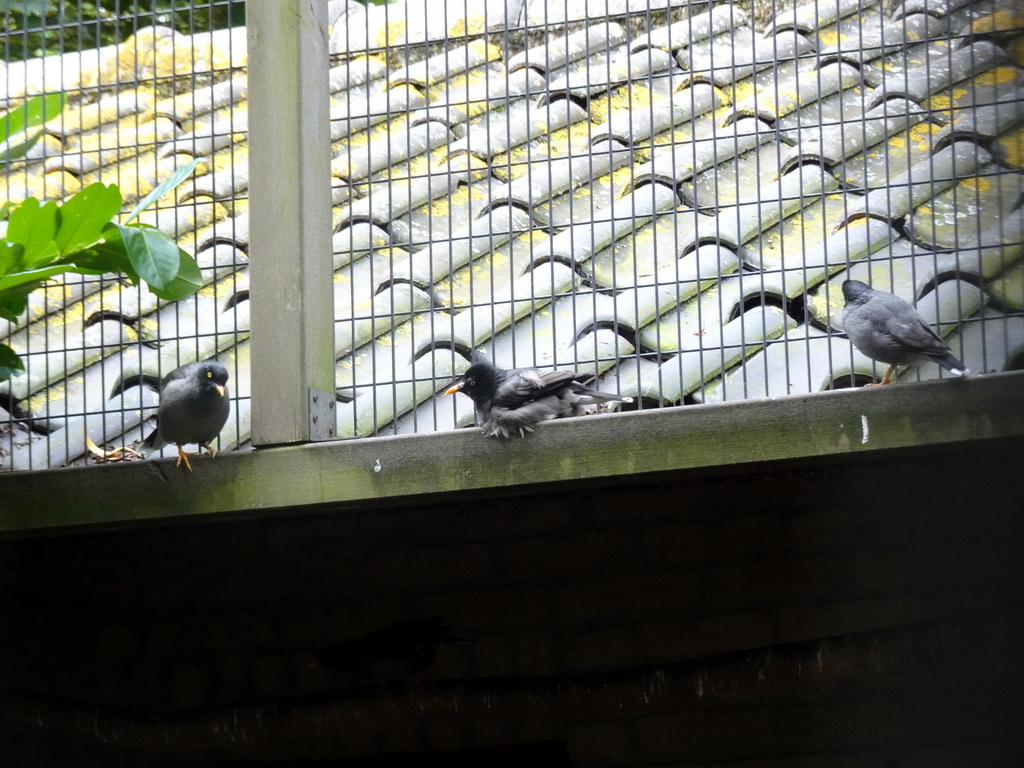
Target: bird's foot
x,y
886,379
212,451
182,456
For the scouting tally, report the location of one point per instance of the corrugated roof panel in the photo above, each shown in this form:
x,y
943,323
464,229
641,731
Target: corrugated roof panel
x,y
668,200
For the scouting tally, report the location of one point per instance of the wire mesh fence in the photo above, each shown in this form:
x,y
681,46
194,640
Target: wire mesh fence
x,y
665,196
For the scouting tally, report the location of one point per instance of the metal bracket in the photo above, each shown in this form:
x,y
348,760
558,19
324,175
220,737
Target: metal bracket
x,y
322,419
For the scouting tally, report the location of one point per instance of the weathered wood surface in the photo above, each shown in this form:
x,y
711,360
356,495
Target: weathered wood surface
x,y
290,251
848,667
838,423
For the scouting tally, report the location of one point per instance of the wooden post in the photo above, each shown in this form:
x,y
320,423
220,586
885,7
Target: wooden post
x,y
291,266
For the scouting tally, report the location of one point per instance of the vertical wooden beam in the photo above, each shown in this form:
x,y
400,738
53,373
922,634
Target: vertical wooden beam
x,y
291,267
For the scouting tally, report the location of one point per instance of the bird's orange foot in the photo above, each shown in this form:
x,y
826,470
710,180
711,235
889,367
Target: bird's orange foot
x,y
212,451
182,456
886,379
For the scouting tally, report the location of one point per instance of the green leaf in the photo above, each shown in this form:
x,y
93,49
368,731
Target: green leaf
x,y
188,281
32,114
6,208
34,276
153,255
13,304
21,127
163,188
110,254
11,255
10,363
84,217
105,258
34,225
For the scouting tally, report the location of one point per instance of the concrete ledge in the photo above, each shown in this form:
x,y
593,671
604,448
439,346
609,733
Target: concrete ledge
x,y
376,470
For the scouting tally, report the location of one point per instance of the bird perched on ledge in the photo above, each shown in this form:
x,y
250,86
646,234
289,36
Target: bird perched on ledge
x,y
887,329
519,399
194,407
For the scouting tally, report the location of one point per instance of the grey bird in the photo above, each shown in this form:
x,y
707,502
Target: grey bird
x,y
519,399
391,654
887,329
194,405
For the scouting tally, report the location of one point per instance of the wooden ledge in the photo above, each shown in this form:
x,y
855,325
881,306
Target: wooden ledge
x,y
389,469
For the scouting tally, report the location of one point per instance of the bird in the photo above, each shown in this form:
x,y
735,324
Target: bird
x,y
391,654
194,405
521,398
887,329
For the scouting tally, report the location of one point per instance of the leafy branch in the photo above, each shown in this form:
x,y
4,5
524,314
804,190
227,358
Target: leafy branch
x,y
81,235
21,128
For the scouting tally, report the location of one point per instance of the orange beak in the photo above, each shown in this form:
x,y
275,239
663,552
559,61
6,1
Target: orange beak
x,y
220,389
454,388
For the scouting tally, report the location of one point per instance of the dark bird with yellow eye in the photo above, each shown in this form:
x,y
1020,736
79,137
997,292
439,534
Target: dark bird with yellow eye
x,y
194,406
519,399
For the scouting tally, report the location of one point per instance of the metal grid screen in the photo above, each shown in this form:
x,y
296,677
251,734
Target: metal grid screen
x,y
667,196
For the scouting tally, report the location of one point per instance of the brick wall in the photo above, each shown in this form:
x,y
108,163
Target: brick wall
x,y
585,579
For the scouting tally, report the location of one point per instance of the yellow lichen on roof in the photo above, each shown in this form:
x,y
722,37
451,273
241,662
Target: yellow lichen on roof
x,y
356,139
740,90
489,51
1013,148
997,76
899,141
125,138
474,25
622,177
976,183
392,33
941,102
922,135
17,185
135,176
457,199
84,117
631,96
572,139
599,107
830,37
999,21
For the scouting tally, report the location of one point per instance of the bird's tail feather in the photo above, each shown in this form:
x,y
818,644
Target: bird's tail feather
x,y
952,364
588,396
152,442
593,397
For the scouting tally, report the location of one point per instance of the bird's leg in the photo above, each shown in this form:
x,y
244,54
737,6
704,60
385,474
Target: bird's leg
x,y
887,379
209,450
182,456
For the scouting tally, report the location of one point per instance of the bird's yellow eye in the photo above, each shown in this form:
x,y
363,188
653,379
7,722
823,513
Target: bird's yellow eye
x,y
209,374
472,382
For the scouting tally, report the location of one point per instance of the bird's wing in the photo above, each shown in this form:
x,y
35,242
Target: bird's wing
x,y
525,385
177,374
504,422
913,333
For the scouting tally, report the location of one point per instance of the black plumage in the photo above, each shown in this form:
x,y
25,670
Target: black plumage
x,y
194,406
392,654
514,400
887,329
